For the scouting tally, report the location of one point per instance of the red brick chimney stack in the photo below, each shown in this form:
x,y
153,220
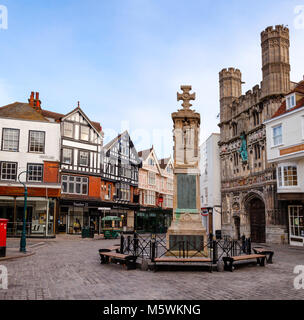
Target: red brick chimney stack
x,y
35,102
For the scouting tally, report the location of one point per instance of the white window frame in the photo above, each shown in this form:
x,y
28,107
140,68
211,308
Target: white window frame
x,y
273,136
12,138
63,157
291,101
35,170
281,176
152,178
7,172
34,144
64,129
66,179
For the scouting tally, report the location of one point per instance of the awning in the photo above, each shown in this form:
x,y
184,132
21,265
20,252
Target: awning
x,y
111,218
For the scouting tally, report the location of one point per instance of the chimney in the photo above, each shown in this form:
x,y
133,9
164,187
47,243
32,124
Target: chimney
x,y
35,102
31,99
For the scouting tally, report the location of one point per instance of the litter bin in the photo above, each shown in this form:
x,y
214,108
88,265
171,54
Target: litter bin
x,y
91,232
3,228
85,232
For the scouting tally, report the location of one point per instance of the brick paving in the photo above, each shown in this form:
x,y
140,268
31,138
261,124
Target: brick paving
x,y
68,268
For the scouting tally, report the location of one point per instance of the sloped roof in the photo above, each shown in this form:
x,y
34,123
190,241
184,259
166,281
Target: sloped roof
x,y
283,109
110,143
20,110
58,116
164,162
144,154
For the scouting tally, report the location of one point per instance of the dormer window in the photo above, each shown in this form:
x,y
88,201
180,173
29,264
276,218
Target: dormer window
x,y
290,101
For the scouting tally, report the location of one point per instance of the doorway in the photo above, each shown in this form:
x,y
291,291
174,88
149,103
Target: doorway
x,y
256,208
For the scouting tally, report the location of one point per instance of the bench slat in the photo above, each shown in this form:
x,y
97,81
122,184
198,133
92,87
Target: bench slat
x,y
248,257
114,255
182,260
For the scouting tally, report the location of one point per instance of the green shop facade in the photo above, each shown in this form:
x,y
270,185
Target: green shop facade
x,y
153,220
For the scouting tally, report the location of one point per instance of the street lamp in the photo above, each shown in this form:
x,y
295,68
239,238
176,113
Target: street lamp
x,y
23,236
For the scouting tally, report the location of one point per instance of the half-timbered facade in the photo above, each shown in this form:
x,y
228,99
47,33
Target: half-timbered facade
x,y
120,165
80,164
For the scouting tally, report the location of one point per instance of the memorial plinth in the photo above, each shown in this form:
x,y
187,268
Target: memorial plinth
x,y
187,222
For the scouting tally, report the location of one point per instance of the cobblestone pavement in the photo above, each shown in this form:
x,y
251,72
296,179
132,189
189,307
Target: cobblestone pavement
x,y
69,268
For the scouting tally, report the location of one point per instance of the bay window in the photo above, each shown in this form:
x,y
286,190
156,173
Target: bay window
x,y
287,176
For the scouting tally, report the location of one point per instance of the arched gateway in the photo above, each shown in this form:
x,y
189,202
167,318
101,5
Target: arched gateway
x,y
256,210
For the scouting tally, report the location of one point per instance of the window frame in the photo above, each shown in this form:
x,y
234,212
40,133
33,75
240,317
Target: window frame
x,y
82,165
73,129
2,140
11,162
27,172
29,141
74,184
81,126
273,136
288,101
72,156
281,176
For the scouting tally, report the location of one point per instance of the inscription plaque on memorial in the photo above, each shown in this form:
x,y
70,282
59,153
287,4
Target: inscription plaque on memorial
x,y
186,191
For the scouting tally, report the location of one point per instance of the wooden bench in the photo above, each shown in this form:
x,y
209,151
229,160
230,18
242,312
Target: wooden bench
x,y
228,261
181,260
267,252
107,256
115,248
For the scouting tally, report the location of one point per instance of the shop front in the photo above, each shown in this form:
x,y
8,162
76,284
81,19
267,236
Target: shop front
x,y
293,205
153,220
40,215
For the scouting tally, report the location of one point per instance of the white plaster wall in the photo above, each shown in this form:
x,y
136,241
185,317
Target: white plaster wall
x,y
52,142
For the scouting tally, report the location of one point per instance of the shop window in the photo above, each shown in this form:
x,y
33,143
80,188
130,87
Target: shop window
x,y
36,141
35,172
9,171
10,139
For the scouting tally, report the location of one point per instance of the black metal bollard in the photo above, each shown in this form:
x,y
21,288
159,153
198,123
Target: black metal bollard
x,y
153,250
249,246
122,244
214,252
135,244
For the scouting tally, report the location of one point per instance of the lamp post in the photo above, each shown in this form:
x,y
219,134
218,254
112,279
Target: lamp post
x,y
23,236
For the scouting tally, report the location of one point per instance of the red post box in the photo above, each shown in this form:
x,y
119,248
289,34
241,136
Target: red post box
x,y
3,228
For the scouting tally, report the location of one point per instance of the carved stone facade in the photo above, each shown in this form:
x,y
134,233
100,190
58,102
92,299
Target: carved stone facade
x,y
249,197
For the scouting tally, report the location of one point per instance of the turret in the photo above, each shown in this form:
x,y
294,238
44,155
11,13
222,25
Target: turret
x,y
275,61
230,89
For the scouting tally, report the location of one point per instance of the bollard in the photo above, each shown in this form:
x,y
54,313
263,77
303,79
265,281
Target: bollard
x,y
122,244
153,250
135,244
249,246
214,252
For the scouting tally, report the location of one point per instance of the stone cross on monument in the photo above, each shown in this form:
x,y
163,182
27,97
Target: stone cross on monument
x,y
186,96
187,225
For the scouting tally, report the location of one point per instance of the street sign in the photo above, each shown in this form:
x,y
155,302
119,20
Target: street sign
x,y
105,209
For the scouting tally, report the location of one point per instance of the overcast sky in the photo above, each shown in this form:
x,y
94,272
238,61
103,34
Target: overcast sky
x,y
124,60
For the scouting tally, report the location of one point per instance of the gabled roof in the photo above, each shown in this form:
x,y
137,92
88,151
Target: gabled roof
x,y
283,109
20,110
164,162
59,116
144,154
113,141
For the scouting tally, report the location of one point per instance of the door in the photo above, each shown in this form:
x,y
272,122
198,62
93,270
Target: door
x,y
257,221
